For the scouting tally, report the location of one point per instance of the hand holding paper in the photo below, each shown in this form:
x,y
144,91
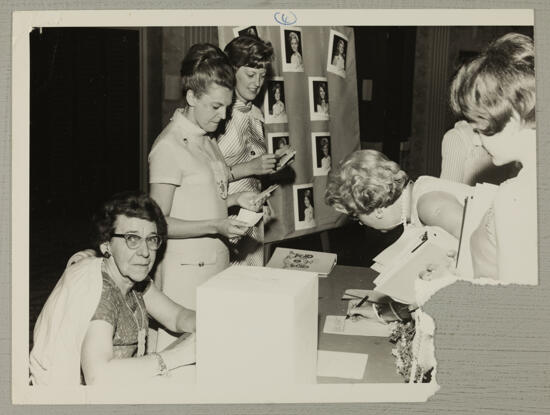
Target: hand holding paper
x,y
249,217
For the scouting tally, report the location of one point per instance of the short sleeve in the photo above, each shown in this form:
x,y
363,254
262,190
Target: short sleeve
x,y
163,164
107,309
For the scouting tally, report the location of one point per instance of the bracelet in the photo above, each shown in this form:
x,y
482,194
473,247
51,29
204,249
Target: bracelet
x,y
162,369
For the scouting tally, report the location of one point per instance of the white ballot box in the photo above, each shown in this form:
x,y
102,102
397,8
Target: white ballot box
x,y
257,326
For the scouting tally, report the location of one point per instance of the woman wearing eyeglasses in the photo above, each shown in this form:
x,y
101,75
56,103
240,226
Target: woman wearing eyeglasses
x,y
93,327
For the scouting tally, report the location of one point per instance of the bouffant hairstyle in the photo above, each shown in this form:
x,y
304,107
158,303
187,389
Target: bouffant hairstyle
x,y
250,51
501,80
275,87
204,64
130,204
293,36
364,181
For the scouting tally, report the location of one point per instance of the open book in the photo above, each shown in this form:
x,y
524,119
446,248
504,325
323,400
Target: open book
x,y
401,263
321,263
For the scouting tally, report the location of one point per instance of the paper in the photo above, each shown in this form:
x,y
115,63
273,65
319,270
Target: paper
x,y
358,327
249,217
341,364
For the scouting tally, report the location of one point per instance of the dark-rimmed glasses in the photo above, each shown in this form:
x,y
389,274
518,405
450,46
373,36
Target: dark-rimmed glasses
x,y
134,241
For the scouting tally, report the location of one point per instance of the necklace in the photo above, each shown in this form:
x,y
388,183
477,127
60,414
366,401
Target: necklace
x,y
141,327
142,330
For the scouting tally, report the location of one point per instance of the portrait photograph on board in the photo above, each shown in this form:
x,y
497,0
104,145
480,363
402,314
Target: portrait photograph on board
x,y
318,98
245,31
274,101
337,51
322,160
292,49
277,142
304,209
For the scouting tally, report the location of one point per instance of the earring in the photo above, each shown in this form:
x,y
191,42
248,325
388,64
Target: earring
x,y
106,254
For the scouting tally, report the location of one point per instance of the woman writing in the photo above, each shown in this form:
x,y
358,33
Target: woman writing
x,y
243,143
189,179
109,300
495,93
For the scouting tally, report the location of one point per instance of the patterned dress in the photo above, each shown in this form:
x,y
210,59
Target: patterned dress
x,y
243,141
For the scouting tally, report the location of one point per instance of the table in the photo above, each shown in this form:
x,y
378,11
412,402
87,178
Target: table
x,y
381,362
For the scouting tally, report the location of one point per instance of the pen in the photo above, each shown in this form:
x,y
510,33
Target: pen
x,y
423,240
359,304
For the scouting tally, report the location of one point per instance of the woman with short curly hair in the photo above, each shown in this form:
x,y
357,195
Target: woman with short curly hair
x,y
375,191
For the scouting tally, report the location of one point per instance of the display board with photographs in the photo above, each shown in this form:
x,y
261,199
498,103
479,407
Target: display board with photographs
x,y
310,120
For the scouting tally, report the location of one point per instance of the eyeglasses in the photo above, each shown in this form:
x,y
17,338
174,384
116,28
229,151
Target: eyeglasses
x,y
133,241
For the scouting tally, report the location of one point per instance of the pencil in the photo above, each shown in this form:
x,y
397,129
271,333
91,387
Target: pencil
x,y
359,304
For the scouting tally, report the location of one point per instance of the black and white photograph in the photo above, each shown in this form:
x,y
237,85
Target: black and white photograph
x,y
245,31
277,142
292,49
136,143
337,51
318,98
274,101
322,159
304,209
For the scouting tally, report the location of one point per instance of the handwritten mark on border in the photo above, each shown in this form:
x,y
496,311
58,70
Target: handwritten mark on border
x,y
285,18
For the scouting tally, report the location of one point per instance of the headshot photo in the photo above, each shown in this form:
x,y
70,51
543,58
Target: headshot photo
x,y
277,141
291,45
274,101
337,50
245,31
322,159
304,209
318,98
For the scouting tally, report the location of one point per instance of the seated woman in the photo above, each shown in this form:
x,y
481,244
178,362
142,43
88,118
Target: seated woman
x,y
495,93
93,327
375,191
